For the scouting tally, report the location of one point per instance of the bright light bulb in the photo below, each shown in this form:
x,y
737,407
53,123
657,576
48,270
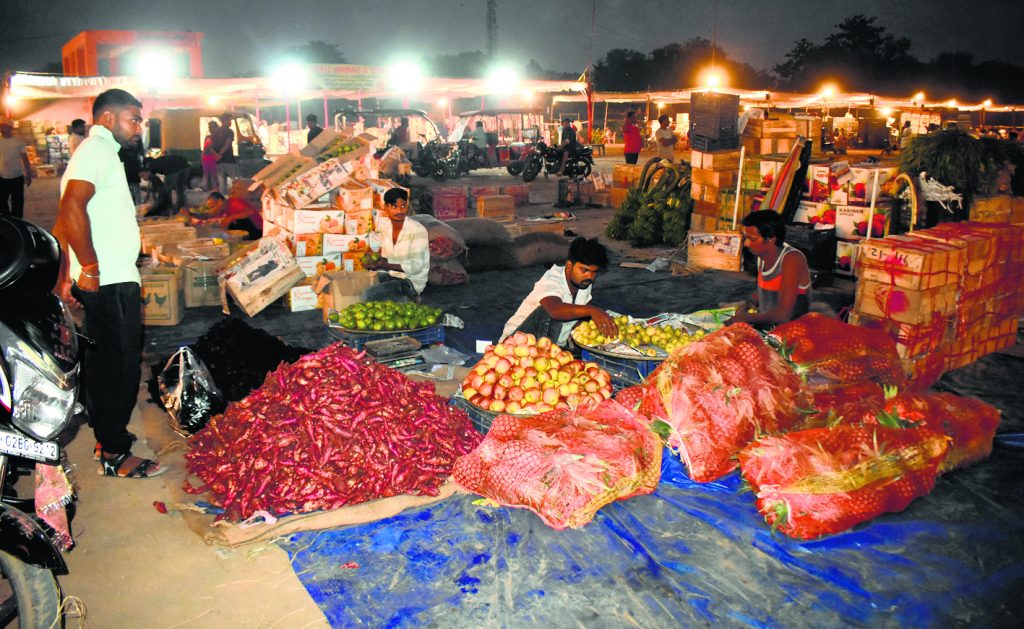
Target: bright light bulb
x,y
441,102
987,103
919,97
828,90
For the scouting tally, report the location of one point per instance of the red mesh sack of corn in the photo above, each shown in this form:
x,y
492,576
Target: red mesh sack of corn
x,y
833,353
821,481
719,393
969,422
565,464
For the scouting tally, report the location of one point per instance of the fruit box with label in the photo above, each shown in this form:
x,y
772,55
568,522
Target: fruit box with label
x,y
904,304
908,261
317,219
315,265
353,195
852,221
846,257
314,184
342,243
259,274
162,300
302,297
862,179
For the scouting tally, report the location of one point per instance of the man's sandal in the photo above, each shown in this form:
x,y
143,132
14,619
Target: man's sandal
x,y
145,468
97,452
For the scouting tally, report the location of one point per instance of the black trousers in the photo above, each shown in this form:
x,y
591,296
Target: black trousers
x,y
631,158
12,196
110,367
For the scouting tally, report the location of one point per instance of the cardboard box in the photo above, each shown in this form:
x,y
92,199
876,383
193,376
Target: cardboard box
x,y
994,209
353,195
904,304
852,221
716,160
1017,210
342,243
721,250
498,207
316,219
910,262
347,288
625,175
167,236
315,265
979,242
616,196
475,192
308,244
707,208
163,301
911,339
379,187
700,223
200,280
283,169
520,192
359,221
308,187
259,274
862,179
717,179
302,297
846,257
448,207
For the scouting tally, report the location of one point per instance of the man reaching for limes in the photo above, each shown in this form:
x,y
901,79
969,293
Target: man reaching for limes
x,y
561,297
405,253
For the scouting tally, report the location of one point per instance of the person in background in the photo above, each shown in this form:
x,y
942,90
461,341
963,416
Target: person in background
x,y
666,138
224,146
75,135
478,142
568,142
99,235
236,213
175,172
632,138
210,159
314,128
783,278
561,297
906,135
405,253
400,134
15,171
131,156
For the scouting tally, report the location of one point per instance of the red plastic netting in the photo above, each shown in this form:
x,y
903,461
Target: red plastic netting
x,y
718,393
848,403
969,422
564,465
826,480
834,353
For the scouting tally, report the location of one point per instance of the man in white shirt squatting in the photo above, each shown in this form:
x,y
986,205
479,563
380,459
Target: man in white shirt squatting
x,y
562,297
405,253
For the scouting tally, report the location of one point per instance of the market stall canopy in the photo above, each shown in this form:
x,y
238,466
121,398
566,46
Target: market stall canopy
x,y
331,81
785,100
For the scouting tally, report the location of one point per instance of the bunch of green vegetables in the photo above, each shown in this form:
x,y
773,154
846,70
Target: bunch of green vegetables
x,y
658,208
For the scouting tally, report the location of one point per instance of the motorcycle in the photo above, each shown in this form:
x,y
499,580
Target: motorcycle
x,y
436,159
38,399
579,163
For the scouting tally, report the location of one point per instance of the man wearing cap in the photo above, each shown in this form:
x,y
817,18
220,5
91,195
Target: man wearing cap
x,y
15,171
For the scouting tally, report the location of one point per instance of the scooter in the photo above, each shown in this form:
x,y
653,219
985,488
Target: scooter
x,y
579,163
38,393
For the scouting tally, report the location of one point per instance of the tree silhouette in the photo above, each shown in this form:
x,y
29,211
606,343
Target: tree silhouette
x,y
316,51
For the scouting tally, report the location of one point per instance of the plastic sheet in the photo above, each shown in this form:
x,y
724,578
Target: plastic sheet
x,y
691,553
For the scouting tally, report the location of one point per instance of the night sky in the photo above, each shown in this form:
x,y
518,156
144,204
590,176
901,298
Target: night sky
x,y
248,36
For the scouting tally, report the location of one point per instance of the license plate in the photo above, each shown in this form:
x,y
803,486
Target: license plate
x,y
20,445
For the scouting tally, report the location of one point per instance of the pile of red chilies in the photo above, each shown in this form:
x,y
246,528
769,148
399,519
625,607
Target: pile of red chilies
x,y
332,429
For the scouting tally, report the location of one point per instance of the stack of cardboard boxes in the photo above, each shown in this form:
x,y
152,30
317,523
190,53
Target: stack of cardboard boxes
x,y
713,183
947,295
624,177
777,133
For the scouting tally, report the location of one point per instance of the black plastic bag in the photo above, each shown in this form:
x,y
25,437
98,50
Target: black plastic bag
x,y
188,392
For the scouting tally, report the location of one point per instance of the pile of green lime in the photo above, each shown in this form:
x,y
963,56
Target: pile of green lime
x,y
382,316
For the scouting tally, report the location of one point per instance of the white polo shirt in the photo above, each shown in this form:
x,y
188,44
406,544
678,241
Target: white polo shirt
x,y
551,284
12,149
111,211
411,252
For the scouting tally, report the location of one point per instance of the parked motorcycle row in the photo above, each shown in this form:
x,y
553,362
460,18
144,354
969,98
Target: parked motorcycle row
x,y
443,160
38,398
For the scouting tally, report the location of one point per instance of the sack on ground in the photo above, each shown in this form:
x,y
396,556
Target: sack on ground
x,y
486,258
447,273
188,392
482,232
445,242
540,248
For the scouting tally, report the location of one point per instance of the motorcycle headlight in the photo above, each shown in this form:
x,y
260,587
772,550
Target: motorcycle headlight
x,y
42,406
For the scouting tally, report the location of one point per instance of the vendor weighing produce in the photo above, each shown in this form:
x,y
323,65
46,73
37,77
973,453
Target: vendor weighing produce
x,y
404,253
561,297
783,279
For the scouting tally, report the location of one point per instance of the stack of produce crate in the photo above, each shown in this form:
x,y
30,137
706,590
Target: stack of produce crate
x,y
948,295
624,177
714,181
778,132
714,121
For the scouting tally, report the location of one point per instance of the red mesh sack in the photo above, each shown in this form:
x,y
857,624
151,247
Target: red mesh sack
x,y
718,393
564,465
848,403
835,353
969,422
826,480
644,399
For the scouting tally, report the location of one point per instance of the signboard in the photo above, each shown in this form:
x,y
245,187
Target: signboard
x,y
338,76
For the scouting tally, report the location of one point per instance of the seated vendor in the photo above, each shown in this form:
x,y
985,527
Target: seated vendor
x,y
405,253
783,279
478,141
562,296
235,213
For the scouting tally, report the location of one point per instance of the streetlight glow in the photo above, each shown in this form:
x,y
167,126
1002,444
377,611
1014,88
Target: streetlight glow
x,y
828,91
503,80
886,111
987,103
919,97
289,78
405,76
951,102
155,67
441,102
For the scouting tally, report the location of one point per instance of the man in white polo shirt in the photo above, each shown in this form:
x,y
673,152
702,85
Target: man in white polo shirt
x,y
562,296
98,231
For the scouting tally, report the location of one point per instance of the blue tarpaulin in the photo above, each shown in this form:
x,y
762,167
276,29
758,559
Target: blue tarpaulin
x,y
688,554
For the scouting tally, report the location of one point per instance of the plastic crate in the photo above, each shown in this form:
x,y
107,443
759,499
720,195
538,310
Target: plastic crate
x,y
625,372
356,340
706,144
481,419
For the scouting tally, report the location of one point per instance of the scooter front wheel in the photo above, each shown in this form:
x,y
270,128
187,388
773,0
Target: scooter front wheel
x,y
531,170
28,593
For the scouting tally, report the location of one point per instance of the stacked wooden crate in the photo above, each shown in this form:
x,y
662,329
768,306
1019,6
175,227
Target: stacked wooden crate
x,y
778,133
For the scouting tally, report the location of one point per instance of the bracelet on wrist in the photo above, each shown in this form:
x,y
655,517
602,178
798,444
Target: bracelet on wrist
x,y
90,275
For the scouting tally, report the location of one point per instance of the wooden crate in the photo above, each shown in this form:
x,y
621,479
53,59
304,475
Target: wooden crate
x,y
904,305
498,207
616,196
625,175
448,207
721,250
701,223
707,208
993,209
717,179
717,160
